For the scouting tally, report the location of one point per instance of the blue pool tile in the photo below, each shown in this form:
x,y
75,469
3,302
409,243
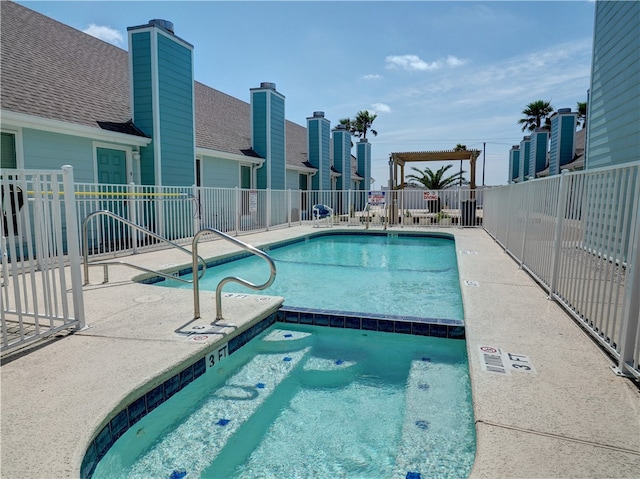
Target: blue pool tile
x,y
288,335
119,424
386,326
171,386
286,359
186,376
420,329
370,324
178,474
321,319
306,318
439,330
199,368
421,424
137,410
292,316
104,441
89,462
223,422
260,386
351,322
155,397
403,327
413,475
336,321
456,332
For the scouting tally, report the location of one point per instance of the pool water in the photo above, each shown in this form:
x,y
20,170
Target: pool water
x,y
304,401
390,275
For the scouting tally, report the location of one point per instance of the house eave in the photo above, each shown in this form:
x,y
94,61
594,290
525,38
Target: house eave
x,y
23,120
228,156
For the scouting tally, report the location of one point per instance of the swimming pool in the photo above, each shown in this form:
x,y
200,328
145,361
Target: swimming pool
x,y
390,275
302,401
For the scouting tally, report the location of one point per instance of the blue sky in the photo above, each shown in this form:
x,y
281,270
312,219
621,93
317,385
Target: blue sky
x,y
436,73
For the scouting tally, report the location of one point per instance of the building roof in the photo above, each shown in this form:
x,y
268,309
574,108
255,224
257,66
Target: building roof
x,y
53,71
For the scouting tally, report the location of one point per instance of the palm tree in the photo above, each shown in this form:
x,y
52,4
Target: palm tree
x,y
434,180
582,113
536,112
359,125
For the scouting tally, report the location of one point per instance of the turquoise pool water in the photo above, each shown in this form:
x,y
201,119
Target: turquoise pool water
x,y
303,401
394,275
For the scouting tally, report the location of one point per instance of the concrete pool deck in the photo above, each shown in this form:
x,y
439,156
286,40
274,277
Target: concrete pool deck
x,y
570,418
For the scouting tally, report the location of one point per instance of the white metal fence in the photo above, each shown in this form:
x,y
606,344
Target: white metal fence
x,y
178,213
578,234
41,291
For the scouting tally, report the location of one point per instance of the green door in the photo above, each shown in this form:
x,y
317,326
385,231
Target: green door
x,y
112,173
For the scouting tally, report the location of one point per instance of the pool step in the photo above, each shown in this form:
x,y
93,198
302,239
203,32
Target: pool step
x,y
429,391
208,429
283,340
324,372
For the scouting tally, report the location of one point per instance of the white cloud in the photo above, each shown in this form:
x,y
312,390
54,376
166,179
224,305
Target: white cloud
x,y
381,108
409,62
373,76
105,33
455,61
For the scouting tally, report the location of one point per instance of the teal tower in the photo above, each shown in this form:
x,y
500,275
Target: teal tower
x,y
514,163
318,150
538,152
562,143
342,156
363,155
268,135
525,147
162,102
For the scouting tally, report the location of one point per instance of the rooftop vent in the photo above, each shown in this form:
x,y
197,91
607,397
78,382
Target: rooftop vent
x,y
318,114
564,110
269,85
165,24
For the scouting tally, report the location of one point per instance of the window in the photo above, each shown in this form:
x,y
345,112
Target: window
x,y
8,151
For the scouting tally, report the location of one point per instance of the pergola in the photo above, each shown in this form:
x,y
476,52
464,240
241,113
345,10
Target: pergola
x,y
398,160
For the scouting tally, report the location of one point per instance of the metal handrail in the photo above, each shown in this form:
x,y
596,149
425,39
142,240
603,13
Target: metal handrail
x,y
223,281
85,250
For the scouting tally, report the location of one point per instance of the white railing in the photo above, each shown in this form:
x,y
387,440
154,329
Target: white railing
x,y
177,213
578,234
39,225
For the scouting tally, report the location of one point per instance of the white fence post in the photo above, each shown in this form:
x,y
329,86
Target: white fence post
x,y
630,329
557,240
73,245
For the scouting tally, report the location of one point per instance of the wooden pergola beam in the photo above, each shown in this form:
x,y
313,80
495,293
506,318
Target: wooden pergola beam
x,y
400,159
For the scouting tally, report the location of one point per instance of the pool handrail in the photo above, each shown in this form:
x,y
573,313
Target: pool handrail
x,y
105,263
223,281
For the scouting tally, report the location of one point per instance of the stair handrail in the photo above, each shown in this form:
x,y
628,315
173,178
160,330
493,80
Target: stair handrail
x,y
85,250
223,281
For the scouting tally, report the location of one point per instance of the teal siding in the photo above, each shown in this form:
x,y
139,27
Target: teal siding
x,y
175,85
567,139
364,163
514,164
143,100
220,173
259,119
278,157
538,153
525,147
342,158
313,153
614,105
554,145
293,180
46,150
325,154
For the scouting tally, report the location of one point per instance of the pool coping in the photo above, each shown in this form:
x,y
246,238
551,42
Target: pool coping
x,y
536,425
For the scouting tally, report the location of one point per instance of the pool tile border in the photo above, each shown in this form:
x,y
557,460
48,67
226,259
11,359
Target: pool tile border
x,y
439,328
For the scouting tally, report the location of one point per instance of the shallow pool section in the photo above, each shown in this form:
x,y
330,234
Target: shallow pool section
x,y
396,275
304,401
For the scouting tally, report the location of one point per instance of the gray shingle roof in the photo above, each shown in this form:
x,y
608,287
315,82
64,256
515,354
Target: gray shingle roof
x,y
53,71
